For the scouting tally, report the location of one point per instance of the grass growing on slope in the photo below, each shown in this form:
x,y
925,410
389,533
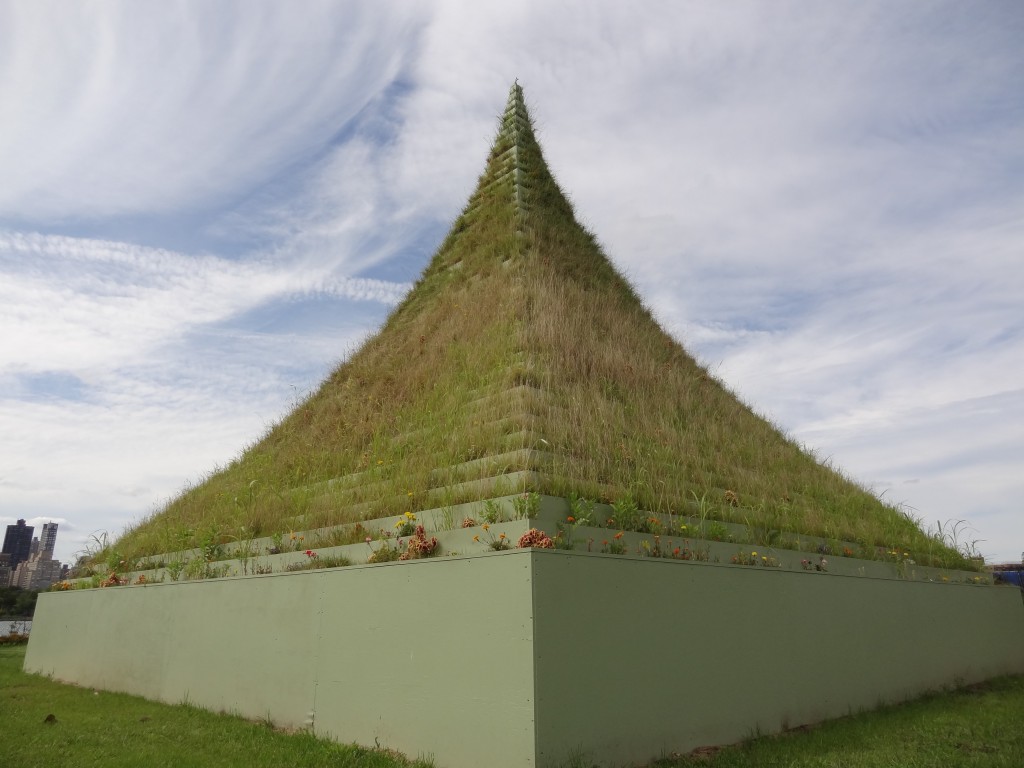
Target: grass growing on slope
x,y
112,730
520,298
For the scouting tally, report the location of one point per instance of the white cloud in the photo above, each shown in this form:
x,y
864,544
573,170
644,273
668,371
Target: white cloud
x,y
81,304
822,202
160,365
114,108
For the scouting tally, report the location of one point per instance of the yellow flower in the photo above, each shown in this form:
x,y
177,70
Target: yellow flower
x,y
753,554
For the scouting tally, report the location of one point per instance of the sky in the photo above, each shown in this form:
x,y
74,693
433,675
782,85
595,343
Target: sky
x,y
205,207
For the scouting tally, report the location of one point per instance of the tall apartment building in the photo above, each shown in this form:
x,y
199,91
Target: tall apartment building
x,y
18,543
48,539
5,570
38,573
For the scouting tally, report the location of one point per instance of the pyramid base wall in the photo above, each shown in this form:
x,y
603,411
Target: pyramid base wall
x,y
637,658
528,658
427,657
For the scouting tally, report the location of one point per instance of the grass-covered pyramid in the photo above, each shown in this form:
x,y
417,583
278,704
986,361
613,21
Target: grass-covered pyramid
x,y
522,362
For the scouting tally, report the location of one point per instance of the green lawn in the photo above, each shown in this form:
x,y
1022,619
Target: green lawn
x,y
113,730
979,727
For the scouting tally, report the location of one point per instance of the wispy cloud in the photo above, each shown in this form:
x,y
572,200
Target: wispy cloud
x,y
87,304
823,202
113,108
125,370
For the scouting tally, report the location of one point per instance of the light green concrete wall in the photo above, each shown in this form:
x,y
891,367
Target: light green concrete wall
x,y
520,658
432,656
637,657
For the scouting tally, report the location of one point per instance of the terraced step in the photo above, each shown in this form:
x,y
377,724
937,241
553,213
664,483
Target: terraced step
x,y
507,513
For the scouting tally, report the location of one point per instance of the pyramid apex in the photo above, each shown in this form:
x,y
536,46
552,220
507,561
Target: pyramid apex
x,y
516,120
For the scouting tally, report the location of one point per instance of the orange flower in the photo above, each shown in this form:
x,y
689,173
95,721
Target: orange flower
x,y
618,535
570,519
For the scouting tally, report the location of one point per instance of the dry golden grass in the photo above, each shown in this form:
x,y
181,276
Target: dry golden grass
x,y
520,334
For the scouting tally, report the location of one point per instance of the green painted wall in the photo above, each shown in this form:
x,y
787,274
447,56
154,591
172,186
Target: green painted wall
x,y
428,657
637,658
521,658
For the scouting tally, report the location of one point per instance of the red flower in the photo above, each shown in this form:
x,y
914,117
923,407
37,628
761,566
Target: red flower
x,y
535,538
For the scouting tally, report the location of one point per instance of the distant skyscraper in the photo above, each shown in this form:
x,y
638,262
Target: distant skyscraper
x,y
18,542
48,539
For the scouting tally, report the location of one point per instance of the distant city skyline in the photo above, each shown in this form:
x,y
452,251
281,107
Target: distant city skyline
x,y
28,561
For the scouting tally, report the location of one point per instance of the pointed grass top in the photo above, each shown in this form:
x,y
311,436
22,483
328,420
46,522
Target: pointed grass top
x,y
522,361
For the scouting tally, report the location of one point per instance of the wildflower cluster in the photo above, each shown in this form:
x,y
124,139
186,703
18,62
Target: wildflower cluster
x,y
752,558
684,552
406,524
614,547
419,546
385,553
681,552
564,536
497,543
535,538
809,565
898,556
647,550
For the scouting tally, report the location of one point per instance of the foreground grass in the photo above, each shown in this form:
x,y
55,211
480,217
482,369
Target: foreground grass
x,y
113,730
978,727
981,727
